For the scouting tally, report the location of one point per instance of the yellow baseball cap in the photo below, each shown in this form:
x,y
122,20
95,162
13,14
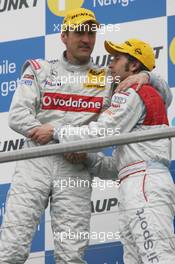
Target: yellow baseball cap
x,y
78,16
142,51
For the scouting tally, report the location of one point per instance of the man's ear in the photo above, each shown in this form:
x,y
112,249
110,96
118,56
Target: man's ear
x,y
64,37
134,66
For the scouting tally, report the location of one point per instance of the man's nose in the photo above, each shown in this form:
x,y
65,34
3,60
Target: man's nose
x,y
111,64
85,37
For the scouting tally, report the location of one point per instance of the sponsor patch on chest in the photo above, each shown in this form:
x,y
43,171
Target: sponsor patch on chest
x,y
51,84
71,102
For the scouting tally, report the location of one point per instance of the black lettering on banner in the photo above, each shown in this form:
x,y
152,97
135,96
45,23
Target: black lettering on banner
x,y
23,2
105,205
8,5
9,145
102,208
13,4
104,60
109,59
35,3
3,8
97,61
157,50
112,202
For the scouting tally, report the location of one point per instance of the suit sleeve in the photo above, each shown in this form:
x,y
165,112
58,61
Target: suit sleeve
x,y
23,110
102,166
162,87
122,115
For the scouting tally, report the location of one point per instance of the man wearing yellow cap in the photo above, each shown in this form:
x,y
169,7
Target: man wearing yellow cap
x,y
147,191
43,100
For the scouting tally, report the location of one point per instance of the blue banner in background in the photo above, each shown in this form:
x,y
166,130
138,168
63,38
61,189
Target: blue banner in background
x,y
13,55
34,45
107,11
171,51
110,253
3,194
118,11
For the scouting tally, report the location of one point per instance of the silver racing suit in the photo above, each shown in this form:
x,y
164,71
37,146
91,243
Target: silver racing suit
x,y
147,191
54,93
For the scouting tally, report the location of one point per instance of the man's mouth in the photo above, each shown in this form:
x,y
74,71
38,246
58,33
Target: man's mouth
x,y
85,48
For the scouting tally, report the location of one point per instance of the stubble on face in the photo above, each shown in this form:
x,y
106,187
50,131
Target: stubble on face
x,y
120,67
80,43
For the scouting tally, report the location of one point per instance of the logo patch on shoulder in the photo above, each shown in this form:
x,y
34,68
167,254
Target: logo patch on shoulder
x,y
97,72
96,79
28,76
26,82
35,64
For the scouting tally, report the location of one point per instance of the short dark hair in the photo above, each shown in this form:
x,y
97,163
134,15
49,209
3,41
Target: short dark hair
x,y
133,59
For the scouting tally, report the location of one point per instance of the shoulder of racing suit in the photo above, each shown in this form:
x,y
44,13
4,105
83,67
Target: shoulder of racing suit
x,y
156,113
41,68
39,65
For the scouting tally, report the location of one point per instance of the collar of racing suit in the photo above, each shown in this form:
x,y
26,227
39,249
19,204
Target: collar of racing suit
x,y
73,67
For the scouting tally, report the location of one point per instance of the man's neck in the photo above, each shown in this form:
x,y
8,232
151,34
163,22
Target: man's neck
x,y
75,61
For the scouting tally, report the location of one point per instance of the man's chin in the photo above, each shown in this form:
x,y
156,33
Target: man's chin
x,y
83,58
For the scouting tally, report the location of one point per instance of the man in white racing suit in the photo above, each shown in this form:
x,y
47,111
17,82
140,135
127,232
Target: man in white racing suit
x,y
147,191
46,98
